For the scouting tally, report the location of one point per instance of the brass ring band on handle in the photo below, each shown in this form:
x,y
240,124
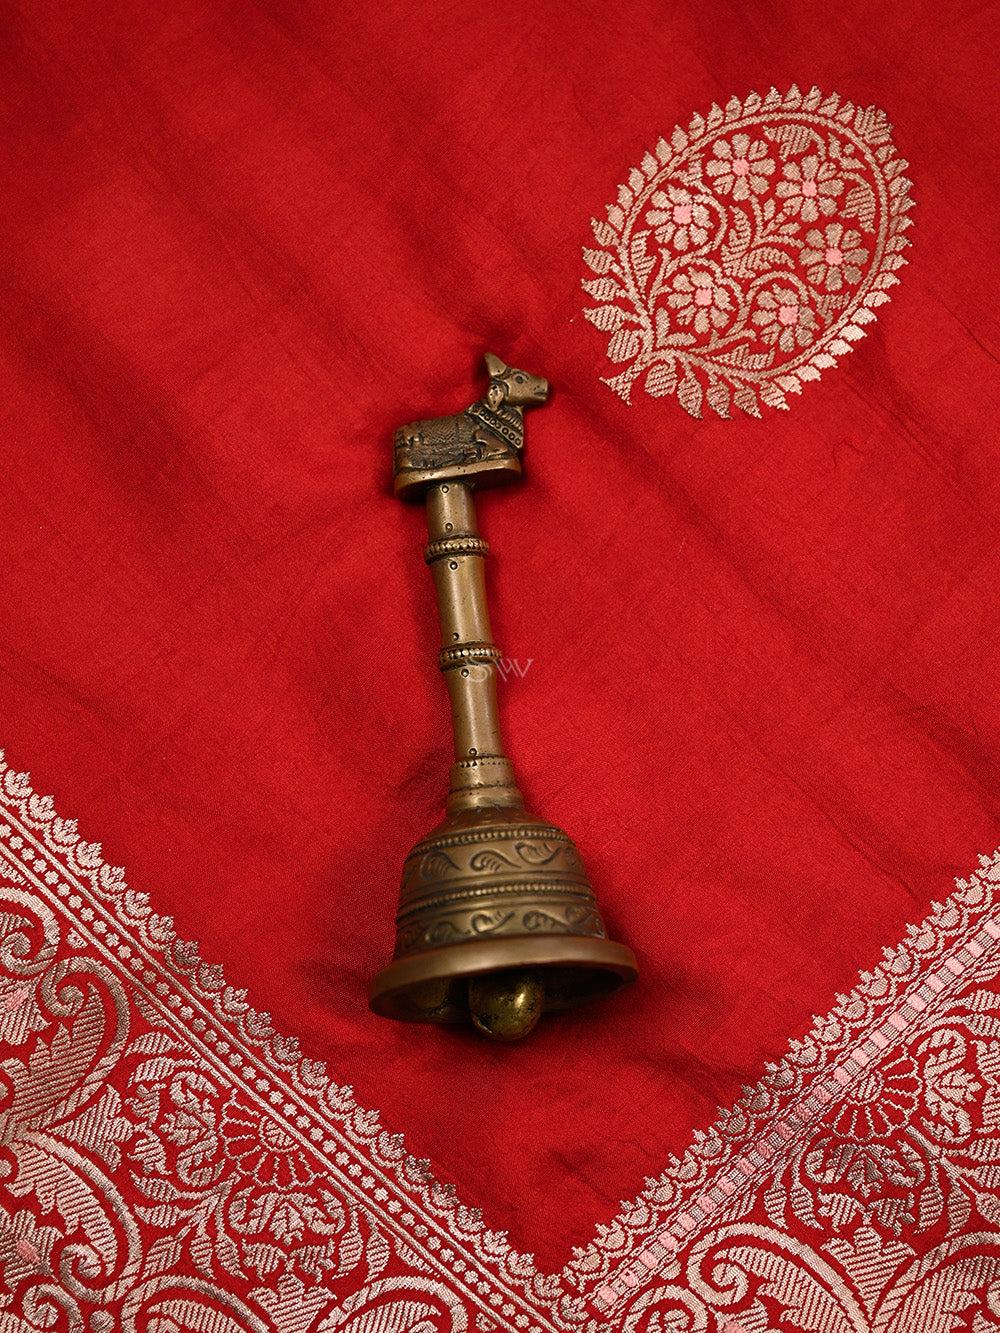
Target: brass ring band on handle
x,y
452,546
465,653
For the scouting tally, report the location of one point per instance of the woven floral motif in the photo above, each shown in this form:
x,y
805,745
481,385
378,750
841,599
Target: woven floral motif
x,y
171,1164
877,1181
749,251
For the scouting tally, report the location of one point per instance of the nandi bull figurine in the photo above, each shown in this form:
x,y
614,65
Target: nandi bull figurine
x,y
497,921
481,443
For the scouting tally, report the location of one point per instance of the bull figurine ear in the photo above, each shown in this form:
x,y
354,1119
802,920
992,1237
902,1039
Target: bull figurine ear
x,y
495,366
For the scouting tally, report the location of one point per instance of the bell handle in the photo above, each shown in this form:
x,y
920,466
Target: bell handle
x,y
482,775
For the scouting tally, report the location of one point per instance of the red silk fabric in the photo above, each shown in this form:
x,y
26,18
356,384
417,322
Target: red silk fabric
x,y
243,244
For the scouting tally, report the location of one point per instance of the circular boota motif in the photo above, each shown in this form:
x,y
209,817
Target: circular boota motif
x,y
749,251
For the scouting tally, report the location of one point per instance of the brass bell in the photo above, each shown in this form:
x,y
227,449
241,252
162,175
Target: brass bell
x,y
497,921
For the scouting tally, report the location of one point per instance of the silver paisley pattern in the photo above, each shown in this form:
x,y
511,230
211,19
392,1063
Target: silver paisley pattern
x,y
169,1163
749,251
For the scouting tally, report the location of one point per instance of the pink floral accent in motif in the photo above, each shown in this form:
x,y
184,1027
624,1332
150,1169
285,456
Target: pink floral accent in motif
x,y
700,301
833,257
740,167
810,187
784,320
678,217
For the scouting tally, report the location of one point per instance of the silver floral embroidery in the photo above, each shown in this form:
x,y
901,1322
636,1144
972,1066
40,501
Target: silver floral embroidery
x,y
171,1162
749,251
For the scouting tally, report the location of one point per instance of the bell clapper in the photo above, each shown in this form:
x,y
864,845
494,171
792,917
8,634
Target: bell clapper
x,y
506,1005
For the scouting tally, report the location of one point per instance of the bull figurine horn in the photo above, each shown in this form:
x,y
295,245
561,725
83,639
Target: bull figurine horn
x,y
497,921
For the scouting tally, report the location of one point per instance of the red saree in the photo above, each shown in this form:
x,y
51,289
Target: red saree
x,y
748,582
